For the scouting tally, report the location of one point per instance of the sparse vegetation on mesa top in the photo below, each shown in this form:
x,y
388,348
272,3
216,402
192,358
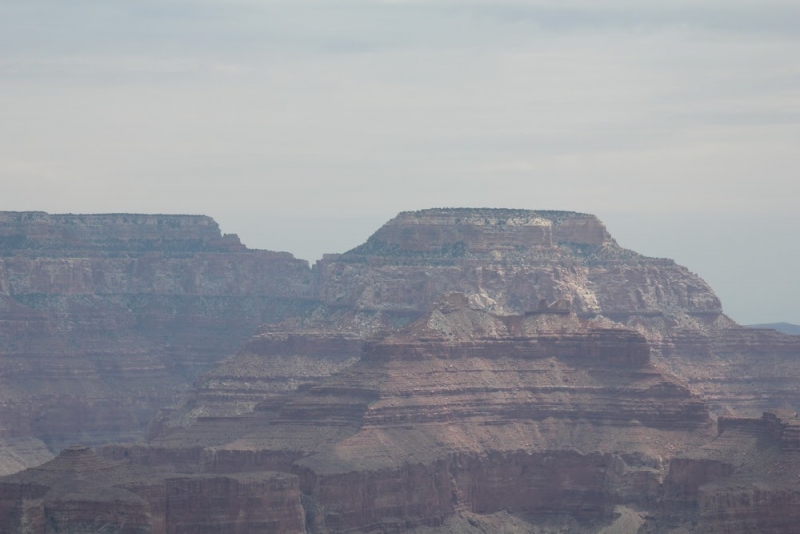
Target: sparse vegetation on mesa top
x,y
553,215
495,211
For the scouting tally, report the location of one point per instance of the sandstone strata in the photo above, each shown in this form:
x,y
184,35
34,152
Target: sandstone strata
x,y
509,262
505,261
464,412
81,492
105,318
526,386
117,313
746,480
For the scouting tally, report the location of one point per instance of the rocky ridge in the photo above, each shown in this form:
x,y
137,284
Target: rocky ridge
x,y
460,365
509,262
463,412
104,319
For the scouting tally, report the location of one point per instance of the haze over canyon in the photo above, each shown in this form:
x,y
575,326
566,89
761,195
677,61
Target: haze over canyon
x,y
462,370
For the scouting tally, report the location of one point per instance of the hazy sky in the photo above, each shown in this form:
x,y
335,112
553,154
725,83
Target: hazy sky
x,y
302,126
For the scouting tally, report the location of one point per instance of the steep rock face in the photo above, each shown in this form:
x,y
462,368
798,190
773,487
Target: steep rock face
x,y
508,260
745,480
81,492
60,496
263,374
37,234
505,261
741,507
511,262
466,411
105,318
243,503
531,425
747,370
485,230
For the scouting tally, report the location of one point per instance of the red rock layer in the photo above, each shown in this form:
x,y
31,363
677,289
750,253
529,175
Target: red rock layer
x,y
80,492
463,413
467,412
116,313
745,480
262,375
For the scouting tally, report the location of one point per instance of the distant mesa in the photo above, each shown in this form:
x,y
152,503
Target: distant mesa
x,y
466,231
786,328
42,234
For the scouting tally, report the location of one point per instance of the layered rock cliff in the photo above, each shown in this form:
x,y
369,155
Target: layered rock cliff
x,y
508,261
80,492
104,319
511,262
550,372
463,412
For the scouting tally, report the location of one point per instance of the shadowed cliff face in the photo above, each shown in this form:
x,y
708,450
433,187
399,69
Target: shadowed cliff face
x,y
79,491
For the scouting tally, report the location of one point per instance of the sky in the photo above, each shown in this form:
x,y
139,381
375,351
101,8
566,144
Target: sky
x,y
304,125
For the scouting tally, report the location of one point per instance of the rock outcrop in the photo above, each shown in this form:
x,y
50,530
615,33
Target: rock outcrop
x,y
79,491
508,261
460,365
463,412
104,319
263,374
18,453
511,262
505,261
745,480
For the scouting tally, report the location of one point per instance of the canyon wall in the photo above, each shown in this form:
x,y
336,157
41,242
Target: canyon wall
x,y
79,492
515,262
107,318
461,361
463,411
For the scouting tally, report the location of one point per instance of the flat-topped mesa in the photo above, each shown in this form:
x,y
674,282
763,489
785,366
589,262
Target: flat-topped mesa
x,y
460,231
511,260
40,234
